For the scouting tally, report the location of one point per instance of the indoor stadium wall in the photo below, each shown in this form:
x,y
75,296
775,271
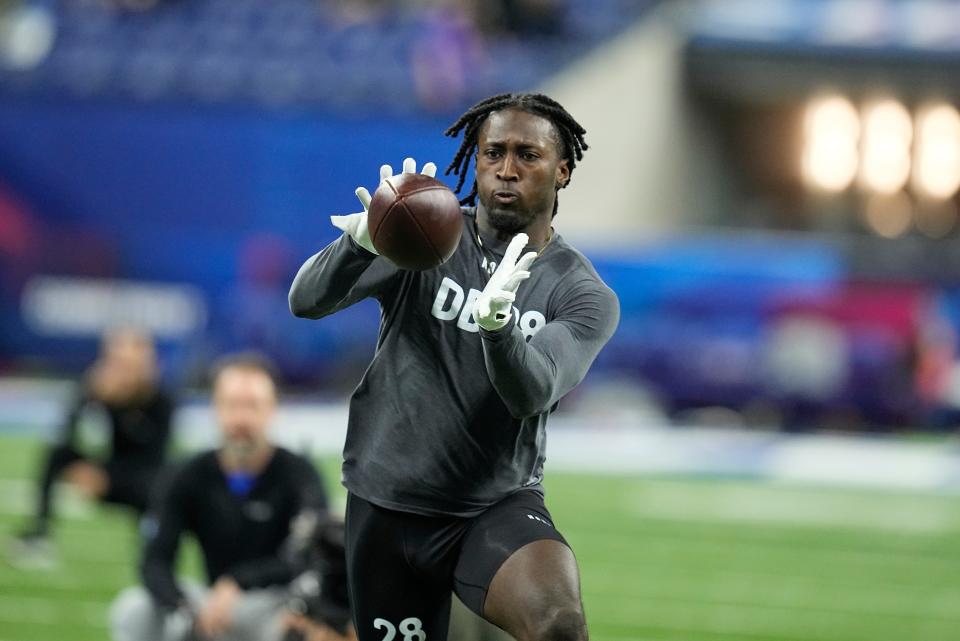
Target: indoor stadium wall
x,y
654,166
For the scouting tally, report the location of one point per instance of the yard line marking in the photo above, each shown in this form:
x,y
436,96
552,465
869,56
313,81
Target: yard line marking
x,y
793,507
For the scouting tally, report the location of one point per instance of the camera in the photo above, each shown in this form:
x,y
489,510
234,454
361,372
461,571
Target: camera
x,y
319,592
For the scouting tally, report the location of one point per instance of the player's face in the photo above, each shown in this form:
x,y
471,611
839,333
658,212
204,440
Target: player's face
x,y
519,168
245,400
127,365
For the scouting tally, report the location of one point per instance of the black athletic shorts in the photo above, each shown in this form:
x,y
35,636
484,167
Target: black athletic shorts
x,y
402,567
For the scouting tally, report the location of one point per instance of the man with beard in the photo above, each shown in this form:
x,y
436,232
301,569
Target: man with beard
x,y
239,501
446,434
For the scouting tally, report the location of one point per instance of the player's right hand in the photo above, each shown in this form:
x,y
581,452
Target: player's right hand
x,y
355,225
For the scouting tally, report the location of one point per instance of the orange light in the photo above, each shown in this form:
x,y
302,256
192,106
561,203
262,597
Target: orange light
x,y
936,170
831,132
885,154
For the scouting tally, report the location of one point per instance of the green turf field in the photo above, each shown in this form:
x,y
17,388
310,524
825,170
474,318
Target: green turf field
x,y
662,560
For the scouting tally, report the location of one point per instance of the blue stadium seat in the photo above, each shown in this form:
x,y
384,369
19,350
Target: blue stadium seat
x,y
293,52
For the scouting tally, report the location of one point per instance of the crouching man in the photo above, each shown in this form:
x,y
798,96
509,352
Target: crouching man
x,y
239,502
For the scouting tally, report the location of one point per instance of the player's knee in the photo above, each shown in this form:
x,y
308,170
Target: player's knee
x,y
88,478
133,616
560,624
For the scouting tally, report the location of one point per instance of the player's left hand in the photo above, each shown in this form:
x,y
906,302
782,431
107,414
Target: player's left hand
x,y
494,305
216,614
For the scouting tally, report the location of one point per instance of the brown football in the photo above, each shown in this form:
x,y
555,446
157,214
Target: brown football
x,y
414,221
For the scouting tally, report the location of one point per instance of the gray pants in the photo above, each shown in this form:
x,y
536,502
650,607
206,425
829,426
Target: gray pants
x,y
135,617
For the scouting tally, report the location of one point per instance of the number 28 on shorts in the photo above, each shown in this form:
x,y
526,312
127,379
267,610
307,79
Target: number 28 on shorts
x,y
411,628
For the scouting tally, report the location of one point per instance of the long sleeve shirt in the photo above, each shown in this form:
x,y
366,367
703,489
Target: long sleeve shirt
x,y
240,536
139,430
449,418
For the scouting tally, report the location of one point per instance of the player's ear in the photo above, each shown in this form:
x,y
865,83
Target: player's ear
x,y
563,173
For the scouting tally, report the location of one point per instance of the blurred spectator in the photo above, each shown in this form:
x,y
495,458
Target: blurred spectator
x,y
136,6
348,12
493,17
123,383
521,17
239,501
20,240
447,53
934,357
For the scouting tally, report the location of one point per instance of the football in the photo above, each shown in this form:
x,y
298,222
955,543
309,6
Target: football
x,y
414,221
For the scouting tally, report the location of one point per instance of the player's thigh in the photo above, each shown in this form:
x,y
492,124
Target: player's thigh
x,y
130,483
133,616
515,568
391,601
467,625
535,595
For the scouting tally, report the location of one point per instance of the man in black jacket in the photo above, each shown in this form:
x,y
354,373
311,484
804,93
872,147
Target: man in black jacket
x,y
239,501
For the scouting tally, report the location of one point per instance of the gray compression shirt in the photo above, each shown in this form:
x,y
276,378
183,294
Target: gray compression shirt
x,y
448,418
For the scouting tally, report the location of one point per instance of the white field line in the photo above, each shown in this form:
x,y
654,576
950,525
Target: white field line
x,y
765,503
795,595
749,620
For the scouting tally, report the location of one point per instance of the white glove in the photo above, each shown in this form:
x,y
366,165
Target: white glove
x,y
495,303
355,225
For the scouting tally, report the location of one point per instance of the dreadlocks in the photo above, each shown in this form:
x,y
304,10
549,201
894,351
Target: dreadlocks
x,y
571,144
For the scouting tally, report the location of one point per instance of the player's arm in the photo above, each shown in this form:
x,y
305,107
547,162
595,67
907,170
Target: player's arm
x,y
340,275
348,270
531,376
163,527
279,568
85,395
162,415
68,428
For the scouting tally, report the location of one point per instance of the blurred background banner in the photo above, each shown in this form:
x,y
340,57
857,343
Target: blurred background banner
x,y
771,189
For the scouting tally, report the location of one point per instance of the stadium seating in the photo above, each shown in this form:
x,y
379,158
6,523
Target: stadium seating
x,y
298,53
